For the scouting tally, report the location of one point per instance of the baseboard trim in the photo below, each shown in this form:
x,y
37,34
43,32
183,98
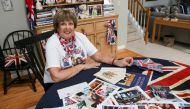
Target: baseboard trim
x,y
121,47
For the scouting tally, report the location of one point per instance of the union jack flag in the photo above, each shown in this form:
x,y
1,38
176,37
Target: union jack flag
x,y
30,13
15,59
175,75
149,64
111,36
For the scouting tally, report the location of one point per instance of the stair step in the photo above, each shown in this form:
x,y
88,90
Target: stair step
x,y
129,22
131,29
133,37
131,40
133,34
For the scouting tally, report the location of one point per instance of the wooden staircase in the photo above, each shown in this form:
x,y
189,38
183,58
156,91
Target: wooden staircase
x,y
132,33
139,16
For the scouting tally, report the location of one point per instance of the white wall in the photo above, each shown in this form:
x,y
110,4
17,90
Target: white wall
x,y
121,7
16,20
12,20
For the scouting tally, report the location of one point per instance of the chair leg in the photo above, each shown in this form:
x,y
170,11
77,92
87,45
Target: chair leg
x,y
19,78
37,63
5,83
31,80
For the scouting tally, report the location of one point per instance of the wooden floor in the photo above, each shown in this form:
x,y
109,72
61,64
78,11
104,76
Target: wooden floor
x,y
21,96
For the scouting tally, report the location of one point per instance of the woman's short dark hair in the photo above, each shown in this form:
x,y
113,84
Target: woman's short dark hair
x,y
64,15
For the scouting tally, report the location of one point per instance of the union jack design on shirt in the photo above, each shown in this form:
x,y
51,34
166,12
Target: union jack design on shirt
x,y
16,58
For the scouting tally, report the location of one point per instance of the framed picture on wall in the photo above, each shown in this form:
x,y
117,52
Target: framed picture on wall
x,y
7,5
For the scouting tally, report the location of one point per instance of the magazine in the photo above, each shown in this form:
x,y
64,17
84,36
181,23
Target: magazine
x,y
134,79
142,106
102,88
65,93
129,96
163,93
160,105
118,107
111,74
184,105
108,101
87,99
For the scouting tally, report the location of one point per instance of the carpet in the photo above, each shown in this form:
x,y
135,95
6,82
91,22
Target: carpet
x,y
175,75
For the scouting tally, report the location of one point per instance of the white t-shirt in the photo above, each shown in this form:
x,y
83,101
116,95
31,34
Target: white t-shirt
x,y
56,55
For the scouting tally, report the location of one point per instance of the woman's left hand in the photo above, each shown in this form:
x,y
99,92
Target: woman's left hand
x,y
127,61
90,65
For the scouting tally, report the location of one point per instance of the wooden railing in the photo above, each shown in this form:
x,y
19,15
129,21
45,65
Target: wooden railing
x,y
141,14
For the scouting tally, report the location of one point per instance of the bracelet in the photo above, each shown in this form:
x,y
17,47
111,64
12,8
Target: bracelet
x,y
113,61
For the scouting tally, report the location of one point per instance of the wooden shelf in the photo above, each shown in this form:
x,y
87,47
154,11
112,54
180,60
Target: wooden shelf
x,y
82,20
67,4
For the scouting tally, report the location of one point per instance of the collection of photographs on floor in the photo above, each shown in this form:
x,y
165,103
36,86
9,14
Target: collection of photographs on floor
x,y
101,94
44,15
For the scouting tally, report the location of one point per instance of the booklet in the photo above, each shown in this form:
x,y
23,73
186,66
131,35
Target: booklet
x,y
111,74
163,93
134,79
130,96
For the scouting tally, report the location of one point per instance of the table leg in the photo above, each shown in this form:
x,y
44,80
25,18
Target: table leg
x,y
153,32
159,29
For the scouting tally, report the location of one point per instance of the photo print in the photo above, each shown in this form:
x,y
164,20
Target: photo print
x,y
95,10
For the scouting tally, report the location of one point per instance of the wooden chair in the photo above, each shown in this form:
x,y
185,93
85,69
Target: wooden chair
x,y
41,45
14,59
29,44
35,66
42,39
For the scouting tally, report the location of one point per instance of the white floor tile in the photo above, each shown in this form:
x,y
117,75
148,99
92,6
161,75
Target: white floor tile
x,y
159,51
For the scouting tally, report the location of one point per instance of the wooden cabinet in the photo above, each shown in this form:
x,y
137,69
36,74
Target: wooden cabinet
x,y
86,27
96,31
103,46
